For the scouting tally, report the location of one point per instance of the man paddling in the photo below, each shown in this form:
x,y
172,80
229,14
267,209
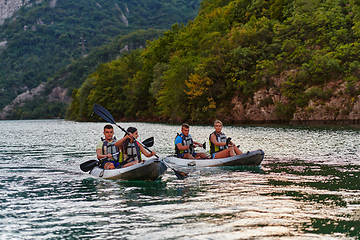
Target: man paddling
x,y
184,144
106,148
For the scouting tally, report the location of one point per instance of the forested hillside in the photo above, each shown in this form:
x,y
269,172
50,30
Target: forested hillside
x,y
44,43
240,61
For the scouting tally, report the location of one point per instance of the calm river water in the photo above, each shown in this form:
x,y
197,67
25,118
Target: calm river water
x,y
307,187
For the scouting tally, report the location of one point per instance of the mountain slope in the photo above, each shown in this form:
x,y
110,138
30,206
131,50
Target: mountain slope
x,y
39,40
241,61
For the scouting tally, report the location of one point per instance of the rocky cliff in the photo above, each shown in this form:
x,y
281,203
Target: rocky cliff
x,y
340,108
57,94
9,7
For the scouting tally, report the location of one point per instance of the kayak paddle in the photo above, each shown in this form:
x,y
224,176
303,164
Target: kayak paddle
x,y
89,165
149,142
105,114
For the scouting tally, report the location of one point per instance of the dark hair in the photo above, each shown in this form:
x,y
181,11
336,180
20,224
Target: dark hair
x,y
131,129
185,125
126,142
108,126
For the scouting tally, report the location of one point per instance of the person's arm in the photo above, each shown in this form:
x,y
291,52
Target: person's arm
x,y
196,143
215,142
146,153
231,144
100,155
120,143
182,147
179,145
99,152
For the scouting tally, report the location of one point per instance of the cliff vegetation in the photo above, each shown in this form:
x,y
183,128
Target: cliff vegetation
x,y
60,43
241,61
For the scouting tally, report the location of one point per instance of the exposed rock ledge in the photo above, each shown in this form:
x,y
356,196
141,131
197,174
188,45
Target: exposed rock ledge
x,y
9,7
21,99
341,108
57,94
53,3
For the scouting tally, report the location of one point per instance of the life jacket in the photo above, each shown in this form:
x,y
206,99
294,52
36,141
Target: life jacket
x,y
130,153
110,148
220,138
186,141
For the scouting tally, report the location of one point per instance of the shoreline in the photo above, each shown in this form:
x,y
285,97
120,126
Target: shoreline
x,y
310,123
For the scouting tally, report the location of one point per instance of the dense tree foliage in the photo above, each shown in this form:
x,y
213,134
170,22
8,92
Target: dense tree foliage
x,y
232,49
111,84
43,39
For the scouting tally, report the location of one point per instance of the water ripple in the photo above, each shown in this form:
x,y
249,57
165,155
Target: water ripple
x,y
307,187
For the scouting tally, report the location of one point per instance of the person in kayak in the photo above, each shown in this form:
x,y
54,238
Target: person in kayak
x,y
220,145
131,150
184,145
107,150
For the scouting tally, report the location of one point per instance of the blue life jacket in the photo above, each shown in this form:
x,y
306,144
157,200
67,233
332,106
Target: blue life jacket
x,y
186,141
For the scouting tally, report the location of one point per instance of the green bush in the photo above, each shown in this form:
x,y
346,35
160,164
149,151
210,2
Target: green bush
x,y
284,111
318,93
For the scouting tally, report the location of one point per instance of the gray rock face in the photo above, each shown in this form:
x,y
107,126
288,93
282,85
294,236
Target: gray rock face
x,y
9,7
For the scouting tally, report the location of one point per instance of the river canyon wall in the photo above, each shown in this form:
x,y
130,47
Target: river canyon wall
x,y
340,107
9,7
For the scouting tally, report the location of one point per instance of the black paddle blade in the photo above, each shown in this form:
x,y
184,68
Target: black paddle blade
x,y
148,142
103,113
89,165
180,175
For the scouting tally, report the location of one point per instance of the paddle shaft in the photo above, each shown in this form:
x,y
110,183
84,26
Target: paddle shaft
x,y
134,138
106,115
147,148
89,165
180,175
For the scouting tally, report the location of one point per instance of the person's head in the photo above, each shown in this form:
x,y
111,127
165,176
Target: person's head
x,y
185,128
108,132
134,131
218,125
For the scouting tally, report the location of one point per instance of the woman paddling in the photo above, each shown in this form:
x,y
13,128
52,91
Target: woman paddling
x,y
220,145
131,149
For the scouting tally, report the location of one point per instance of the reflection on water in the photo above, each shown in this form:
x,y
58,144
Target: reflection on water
x,y
331,193
306,188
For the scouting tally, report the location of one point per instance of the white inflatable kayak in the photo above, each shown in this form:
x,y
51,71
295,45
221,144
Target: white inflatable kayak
x,y
253,158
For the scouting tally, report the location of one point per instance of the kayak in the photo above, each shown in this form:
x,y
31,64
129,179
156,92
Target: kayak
x,y
253,158
149,170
